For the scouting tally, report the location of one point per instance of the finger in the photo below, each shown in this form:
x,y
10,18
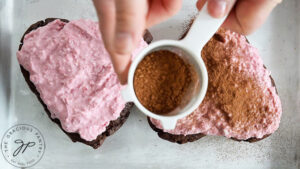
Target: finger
x,y
249,15
219,8
160,10
129,28
200,4
106,14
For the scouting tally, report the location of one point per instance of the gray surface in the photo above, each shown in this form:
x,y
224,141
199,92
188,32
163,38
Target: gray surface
x,y
136,145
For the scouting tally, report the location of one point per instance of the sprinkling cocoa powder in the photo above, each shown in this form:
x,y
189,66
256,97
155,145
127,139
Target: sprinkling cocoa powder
x,y
161,81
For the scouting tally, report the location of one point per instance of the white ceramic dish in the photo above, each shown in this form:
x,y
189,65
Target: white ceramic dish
x,y
135,145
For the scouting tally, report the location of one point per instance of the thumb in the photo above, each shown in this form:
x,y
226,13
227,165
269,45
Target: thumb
x,y
217,8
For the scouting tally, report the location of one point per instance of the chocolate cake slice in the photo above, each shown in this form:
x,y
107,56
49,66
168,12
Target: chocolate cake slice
x,y
75,137
232,108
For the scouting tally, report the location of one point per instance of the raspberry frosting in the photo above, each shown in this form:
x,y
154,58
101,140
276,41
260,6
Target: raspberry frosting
x,y
241,101
72,71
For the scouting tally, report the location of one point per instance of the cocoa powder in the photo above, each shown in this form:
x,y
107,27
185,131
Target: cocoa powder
x,y
161,81
236,93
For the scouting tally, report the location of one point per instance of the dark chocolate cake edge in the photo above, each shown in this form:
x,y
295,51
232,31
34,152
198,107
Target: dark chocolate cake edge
x,y
75,137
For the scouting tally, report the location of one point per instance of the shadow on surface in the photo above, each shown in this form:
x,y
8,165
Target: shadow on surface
x,y
5,59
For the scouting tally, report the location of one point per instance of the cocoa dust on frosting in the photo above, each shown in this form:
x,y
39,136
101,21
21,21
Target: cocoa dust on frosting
x,y
241,101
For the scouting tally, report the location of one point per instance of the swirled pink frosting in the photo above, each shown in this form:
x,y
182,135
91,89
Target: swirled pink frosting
x,y
241,101
72,71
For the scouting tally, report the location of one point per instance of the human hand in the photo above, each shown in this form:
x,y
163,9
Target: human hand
x,y
122,23
246,15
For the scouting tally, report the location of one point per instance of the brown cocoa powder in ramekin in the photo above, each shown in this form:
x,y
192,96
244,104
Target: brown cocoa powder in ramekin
x,y
161,81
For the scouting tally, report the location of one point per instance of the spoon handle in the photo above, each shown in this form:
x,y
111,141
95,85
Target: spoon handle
x,y
202,29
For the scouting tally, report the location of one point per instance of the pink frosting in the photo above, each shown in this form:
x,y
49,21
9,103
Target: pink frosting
x,y
72,71
210,120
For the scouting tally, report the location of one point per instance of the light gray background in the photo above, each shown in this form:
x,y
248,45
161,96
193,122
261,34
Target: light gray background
x,y
135,145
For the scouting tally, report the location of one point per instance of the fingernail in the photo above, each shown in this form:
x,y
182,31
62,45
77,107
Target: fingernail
x,y
123,42
220,8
